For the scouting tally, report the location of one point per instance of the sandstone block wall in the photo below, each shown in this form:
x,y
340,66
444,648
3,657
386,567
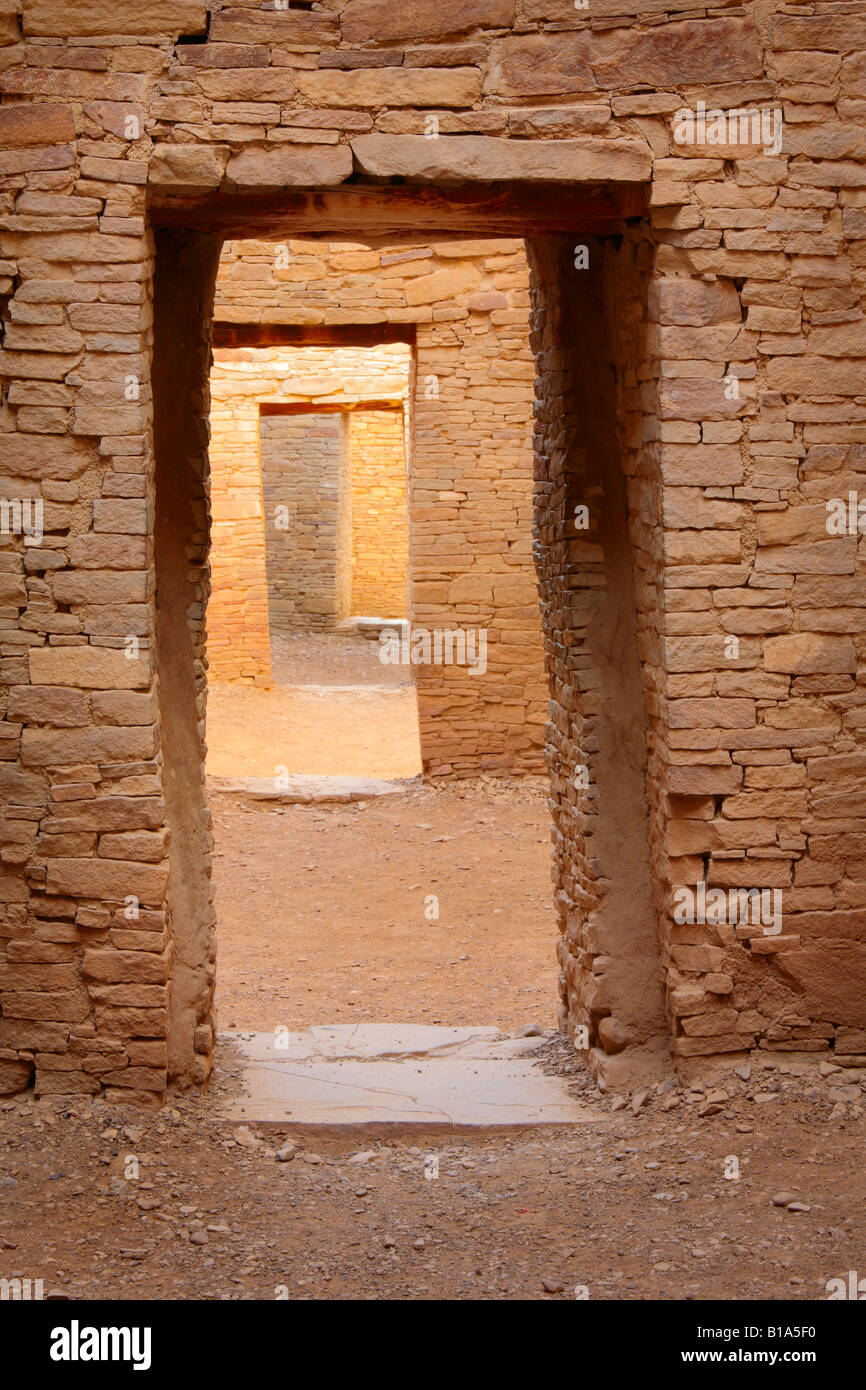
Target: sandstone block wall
x,y
699,368
305,474
380,514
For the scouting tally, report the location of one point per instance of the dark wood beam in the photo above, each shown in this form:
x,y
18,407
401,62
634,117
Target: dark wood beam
x,y
377,214
324,407
268,335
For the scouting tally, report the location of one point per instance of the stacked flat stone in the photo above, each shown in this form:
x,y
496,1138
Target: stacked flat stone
x,y
707,760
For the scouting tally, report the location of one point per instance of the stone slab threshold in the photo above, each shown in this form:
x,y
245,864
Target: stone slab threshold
x,y
359,689
370,627
387,1078
309,789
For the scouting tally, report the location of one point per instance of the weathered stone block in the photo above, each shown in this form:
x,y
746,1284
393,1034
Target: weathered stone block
x,y
56,748
803,653
187,168
109,879
38,456
292,28
63,708
422,87
14,1077
694,302
288,166
92,18
44,123
455,159
379,21
89,668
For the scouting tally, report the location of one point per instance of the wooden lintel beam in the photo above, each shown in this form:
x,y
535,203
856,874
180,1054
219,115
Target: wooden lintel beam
x,y
269,335
324,407
375,215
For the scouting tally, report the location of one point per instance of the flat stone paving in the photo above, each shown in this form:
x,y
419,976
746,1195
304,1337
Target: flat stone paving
x,y
304,790
410,1075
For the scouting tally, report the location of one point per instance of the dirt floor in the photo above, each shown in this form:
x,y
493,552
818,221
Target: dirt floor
x,y
334,710
332,658
750,1187
628,1206
321,910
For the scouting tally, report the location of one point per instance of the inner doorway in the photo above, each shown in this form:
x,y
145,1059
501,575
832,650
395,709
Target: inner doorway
x,y
313,652
608,944
309,462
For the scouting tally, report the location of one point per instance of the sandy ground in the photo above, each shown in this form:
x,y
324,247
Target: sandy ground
x,y
627,1206
321,920
321,911
332,658
334,710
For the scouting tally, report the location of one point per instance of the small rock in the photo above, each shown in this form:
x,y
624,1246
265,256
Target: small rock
x,y
286,1153
799,1206
844,1093
744,1071
198,1237
782,1199
639,1099
552,1285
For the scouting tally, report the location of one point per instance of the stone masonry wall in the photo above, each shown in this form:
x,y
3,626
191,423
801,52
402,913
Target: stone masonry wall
x,y
303,471
712,355
380,516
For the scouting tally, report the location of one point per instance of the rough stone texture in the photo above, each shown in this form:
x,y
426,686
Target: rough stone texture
x,y
294,164
453,159
380,514
704,522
